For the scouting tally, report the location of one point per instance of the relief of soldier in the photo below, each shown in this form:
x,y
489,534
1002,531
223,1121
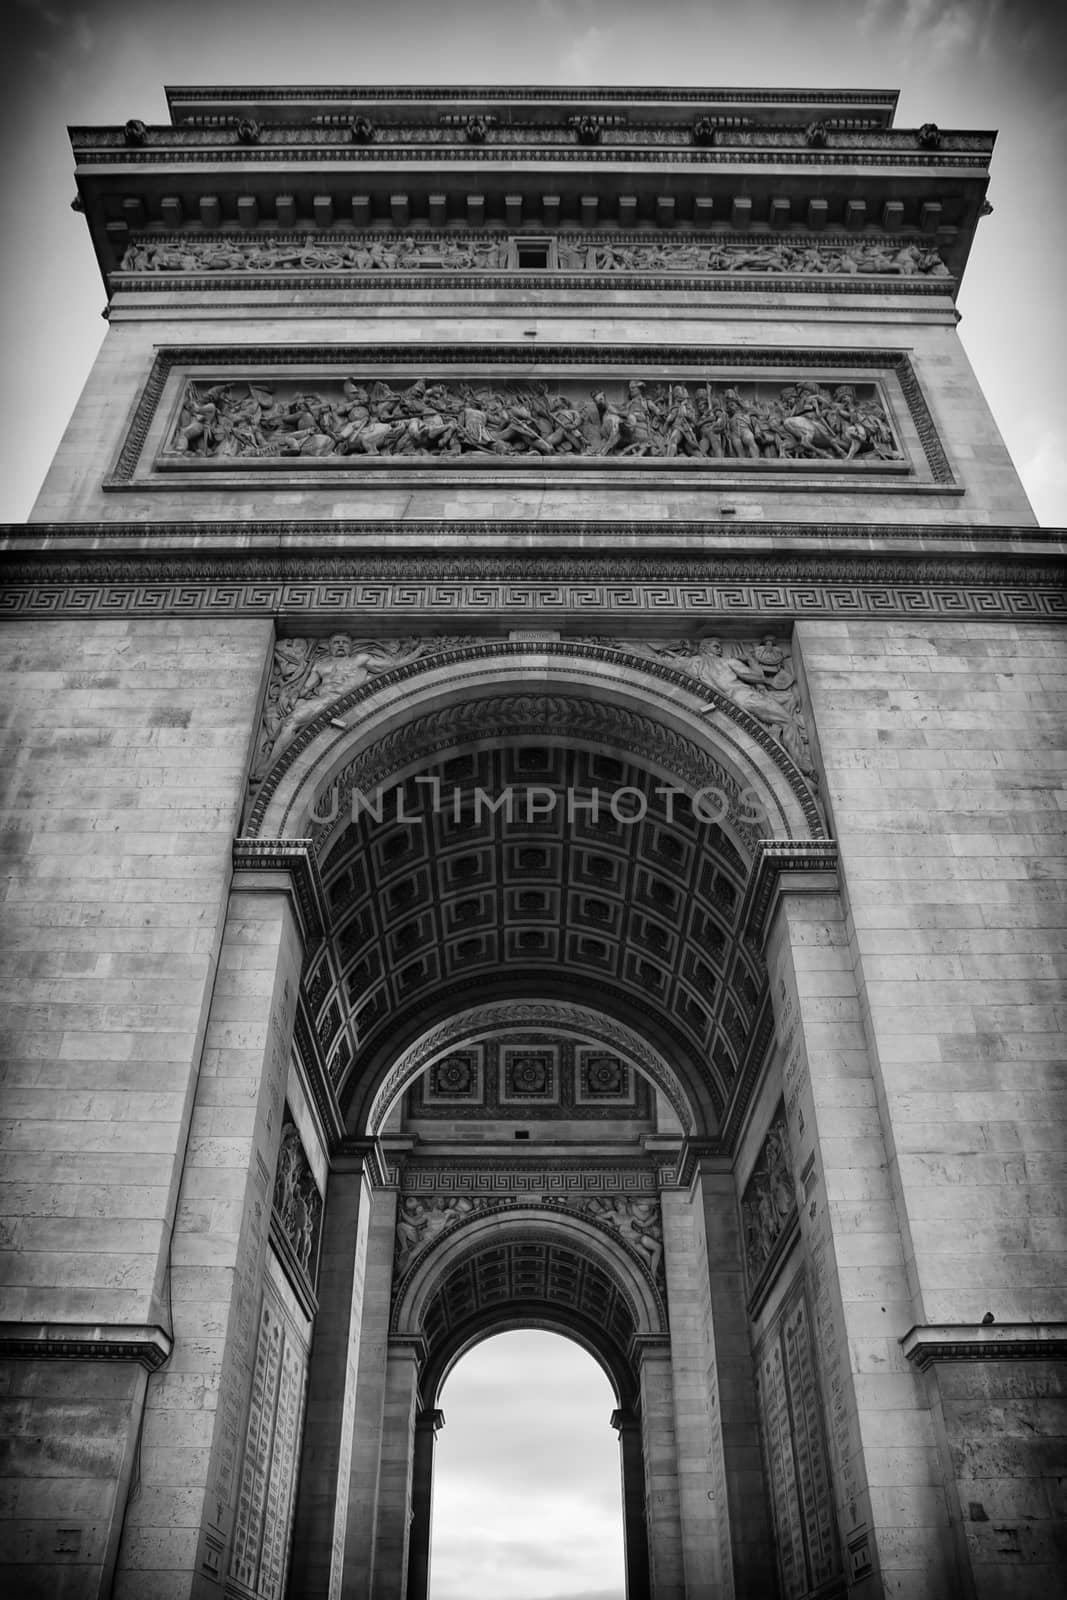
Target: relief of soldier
x,y
801,421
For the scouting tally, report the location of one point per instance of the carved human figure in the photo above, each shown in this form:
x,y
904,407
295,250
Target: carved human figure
x,y
740,438
679,424
412,1220
636,1221
736,678
307,686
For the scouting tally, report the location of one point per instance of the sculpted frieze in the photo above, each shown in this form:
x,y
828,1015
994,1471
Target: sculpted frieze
x,y
297,1201
769,1201
710,421
633,1219
567,253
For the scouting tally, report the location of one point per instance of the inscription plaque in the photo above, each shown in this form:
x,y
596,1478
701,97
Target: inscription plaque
x,y
795,1454
268,1475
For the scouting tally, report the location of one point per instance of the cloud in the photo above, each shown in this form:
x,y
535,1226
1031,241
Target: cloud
x,y
582,61
1043,469
527,1501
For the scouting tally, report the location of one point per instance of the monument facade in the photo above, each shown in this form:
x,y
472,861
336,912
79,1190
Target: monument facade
x,y
533,798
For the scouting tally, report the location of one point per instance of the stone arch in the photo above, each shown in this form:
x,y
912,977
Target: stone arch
x,y
581,699
475,1022
531,1269
693,733
612,1307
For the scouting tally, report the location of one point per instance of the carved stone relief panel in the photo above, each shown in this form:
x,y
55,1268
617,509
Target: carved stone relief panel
x,y
307,410
768,1204
632,1217
713,419
310,674
568,252
297,1202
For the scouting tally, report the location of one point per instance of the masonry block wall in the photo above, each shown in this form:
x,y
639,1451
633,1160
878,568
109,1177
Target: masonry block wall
x,y
944,753
124,757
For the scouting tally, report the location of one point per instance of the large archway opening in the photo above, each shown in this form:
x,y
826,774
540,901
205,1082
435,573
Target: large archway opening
x,y
535,995
527,1492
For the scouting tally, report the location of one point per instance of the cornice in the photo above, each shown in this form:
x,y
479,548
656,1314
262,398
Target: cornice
x,y
773,858
96,566
659,283
271,535
296,858
927,1346
185,150
357,94
436,588
147,1345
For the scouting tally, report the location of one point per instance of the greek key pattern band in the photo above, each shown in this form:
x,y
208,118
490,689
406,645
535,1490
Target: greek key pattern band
x,y
984,601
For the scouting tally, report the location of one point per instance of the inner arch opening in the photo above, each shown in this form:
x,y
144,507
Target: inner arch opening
x,y
527,1490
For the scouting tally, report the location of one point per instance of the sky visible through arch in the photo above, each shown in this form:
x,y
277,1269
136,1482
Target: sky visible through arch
x,y
966,64
527,1488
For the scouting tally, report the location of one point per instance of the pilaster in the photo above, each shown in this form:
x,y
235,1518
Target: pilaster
x,y
368,1423
892,1514
659,1448
322,1507
180,1526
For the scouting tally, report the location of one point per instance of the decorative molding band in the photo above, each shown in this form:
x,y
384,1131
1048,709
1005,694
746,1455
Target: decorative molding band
x,y
148,1345
307,533
773,857
901,262
370,1156
295,857
302,584
554,1179
994,1341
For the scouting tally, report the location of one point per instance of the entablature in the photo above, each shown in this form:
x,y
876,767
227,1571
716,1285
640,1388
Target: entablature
x,y
355,163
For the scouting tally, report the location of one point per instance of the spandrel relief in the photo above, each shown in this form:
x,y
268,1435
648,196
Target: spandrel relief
x,y
757,677
309,675
709,421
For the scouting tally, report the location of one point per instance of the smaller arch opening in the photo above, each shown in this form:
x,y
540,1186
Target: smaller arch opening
x,y
527,1486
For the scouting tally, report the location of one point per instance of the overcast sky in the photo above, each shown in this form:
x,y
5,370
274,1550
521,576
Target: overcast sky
x,y
528,1489
960,63
969,64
